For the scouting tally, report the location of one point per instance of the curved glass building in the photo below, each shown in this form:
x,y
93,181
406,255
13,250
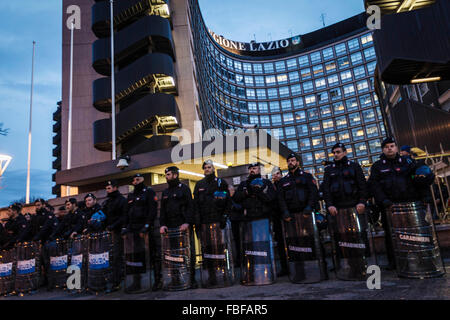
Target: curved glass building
x,y
309,91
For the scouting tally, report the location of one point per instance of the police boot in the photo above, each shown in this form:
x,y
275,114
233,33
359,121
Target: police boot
x,y
136,285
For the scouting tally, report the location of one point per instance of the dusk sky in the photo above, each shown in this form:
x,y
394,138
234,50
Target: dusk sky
x,y
23,21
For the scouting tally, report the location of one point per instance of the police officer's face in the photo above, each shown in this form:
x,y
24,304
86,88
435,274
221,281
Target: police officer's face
x,y
293,163
390,150
277,176
39,205
137,180
208,169
404,153
61,213
110,189
254,170
90,202
69,206
170,176
10,213
339,153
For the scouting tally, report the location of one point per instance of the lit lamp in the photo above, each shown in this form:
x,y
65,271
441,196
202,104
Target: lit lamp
x,y
4,162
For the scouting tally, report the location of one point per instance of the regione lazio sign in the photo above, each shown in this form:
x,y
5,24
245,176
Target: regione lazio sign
x,y
261,48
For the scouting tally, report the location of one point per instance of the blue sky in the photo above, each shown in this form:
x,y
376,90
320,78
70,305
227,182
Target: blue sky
x,y
23,21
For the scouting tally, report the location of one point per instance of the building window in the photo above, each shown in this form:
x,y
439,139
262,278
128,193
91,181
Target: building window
x,y
249,80
303,61
300,116
358,134
282,78
335,93
341,122
320,83
327,53
365,101
343,62
349,90
280,66
286,105
252,107
368,115
310,100
343,136
284,91
254,120
288,119
330,139
372,131
259,81
317,142
239,79
293,76
332,80
290,132
307,158
305,144
293,145
263,107
366,39
338,107
296,89
328,125
361,149
270,80
238,66
257,68
353,44
302,130
330,66
274,106
375,146
315,57
292,64
276,120
325,111
308,86
313,114
359,72
250,93
268,67
371,67
346,76
362,86
322,97
369,53
354,118
340,49
272,93
297,103
318,70
351,104
261,93
314,127
265,122
247,68
306,73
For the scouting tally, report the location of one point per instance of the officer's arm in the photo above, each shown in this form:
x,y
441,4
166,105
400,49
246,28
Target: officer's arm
x,y
268,193
239,195
152,207
362,185
189,206
313,192
24,231
196,204
375,185
281,201
326,189
162,212
79,226
45,230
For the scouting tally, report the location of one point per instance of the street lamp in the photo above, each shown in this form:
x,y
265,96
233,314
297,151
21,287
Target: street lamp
x,y
4,162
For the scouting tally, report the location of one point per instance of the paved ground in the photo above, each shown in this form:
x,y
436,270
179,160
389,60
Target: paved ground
x,y
392,288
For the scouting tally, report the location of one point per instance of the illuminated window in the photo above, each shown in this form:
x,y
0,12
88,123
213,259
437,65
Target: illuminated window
x,y
330,139
310,100
351,104
368,115
358,134
314,127
319,156
318,70
300,116
328,125
250,93
341,122
343,62
306,73
325,111
317,142
332,80
343,136
372,131
346,76
239,79
361,149
362,86
375,146
288,118
305,144
282,78
354,118
320,83
367,39
270,80
338,107
349,90
330,66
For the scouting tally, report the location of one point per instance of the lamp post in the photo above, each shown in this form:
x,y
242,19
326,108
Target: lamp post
x,y
113,90
27,198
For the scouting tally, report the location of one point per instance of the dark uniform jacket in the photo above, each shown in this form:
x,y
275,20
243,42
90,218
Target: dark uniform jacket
x,y
391,180
70,223
49,226
142,208
256,202
177,206
38,220
18,230
89,224
115,209
207,208
344,184
297,192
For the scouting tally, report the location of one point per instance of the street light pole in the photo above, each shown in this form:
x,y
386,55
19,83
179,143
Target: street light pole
x,y
113,90
69,129
27,198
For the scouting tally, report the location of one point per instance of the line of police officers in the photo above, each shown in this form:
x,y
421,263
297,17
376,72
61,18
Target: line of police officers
x,y
392,180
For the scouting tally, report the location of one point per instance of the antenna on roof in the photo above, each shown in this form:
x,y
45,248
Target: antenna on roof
x,y
322,18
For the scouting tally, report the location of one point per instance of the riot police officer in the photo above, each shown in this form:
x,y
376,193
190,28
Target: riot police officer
x,y
277,175
115,209
93,217
17,227
211,207
39,217
72,223
140,219
177,211
393,180
344,191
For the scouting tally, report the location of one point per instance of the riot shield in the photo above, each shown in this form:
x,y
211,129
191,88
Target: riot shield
x,y
352,250
258,259
305,255
78,260
7,271
176,257
28,267
217,269
100,261
415,241
58,263
137,263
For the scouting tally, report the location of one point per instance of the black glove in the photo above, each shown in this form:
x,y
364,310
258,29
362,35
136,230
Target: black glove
x,y
308,210
387,203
